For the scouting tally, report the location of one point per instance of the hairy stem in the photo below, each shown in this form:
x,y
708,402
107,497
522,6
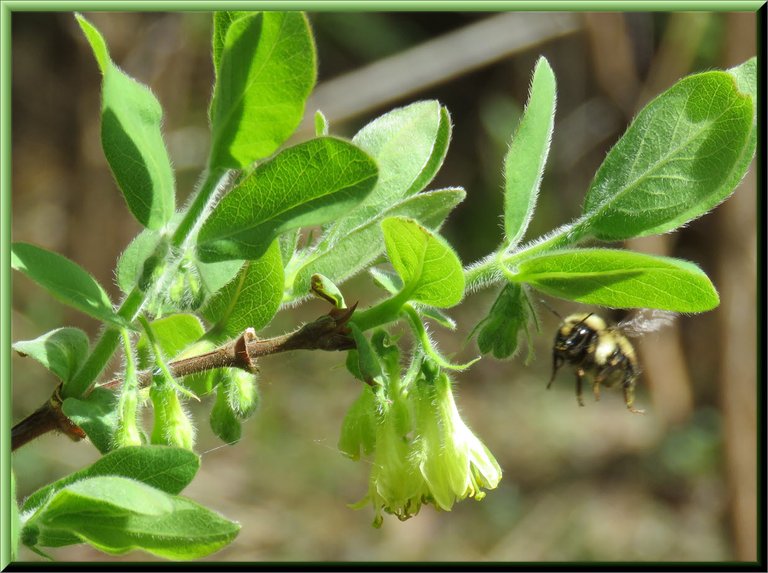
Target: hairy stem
x,y
491,269
329,332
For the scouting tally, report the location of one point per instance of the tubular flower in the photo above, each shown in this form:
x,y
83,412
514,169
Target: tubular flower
x,y
423,450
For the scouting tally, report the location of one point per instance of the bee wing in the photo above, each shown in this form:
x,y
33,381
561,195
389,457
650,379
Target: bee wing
x,y
645,321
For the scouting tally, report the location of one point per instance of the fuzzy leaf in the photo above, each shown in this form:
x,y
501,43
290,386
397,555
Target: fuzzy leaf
x,y
131,119
96,414
409,145
252,298
620,279
62,351
265,70
65,280
116,514
362,245
685,153
527,153
173,334
429,268
308,184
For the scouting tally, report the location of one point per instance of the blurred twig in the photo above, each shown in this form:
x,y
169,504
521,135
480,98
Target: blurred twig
x,y
737,279
434,62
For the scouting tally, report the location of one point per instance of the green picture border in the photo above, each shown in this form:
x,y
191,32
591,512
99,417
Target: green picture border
x,y
7,8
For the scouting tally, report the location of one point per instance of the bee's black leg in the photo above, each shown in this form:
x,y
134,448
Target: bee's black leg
x,y
629,396
596,389
579,378
557,362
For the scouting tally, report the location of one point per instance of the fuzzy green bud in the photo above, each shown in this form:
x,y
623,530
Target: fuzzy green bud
x,y
242,392
128,433
224,422
172,426
358,430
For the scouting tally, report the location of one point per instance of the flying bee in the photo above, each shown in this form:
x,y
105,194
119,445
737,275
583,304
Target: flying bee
x,y
593,347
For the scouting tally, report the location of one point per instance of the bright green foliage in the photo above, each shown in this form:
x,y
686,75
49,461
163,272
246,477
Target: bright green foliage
x,y
403,169
684,153
116,514
527,153
62,351
252,298
172,333
65,280
620,279
429,268
164,468
321,124
265,69
96,415
132,267
359,248
269,226
131,118
221,23
308,184
353,242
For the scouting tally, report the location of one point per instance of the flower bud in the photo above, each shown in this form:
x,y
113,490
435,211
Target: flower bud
x,y
242,392
172,426
128,433
224,422
358,430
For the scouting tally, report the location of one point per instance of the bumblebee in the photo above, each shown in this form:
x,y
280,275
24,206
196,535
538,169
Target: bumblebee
x,y
593,347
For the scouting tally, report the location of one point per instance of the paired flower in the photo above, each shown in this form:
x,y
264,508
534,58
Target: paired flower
x,y
423,452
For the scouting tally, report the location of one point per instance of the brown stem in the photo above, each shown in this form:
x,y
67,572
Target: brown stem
x,y
329,332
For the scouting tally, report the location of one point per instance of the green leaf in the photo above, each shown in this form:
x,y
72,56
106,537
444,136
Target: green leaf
x,y
685,153
321,124
527,153
133,266
221,22
65,280
131,119
308,184
173,334
499,332
620,279
96,414
62,351
266,70
163,467
361,246
409,145
252,298
746,77
116,515
105,495
217,275
431,271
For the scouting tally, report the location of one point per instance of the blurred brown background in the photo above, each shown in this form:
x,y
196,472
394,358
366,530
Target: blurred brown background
x,y
593,483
